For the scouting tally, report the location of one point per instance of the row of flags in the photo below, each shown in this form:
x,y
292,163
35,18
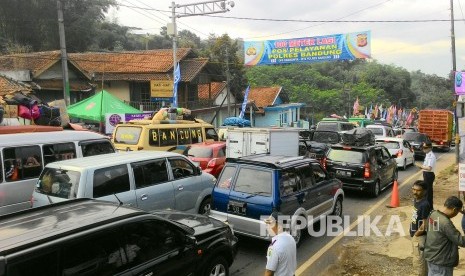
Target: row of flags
x,y
392,115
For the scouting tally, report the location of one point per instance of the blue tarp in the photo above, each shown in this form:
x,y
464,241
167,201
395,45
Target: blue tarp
x,y
236,121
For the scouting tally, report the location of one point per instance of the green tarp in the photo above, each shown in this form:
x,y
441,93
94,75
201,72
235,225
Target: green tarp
x,y
95,107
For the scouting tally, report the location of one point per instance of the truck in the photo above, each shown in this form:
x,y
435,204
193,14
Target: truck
x,y
438,124
275,141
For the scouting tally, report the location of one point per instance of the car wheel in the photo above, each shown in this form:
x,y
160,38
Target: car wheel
x,y
205,206
337,211
298,234
375,189
404,167
217,267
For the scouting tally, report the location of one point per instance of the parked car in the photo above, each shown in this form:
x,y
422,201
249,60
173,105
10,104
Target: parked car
x,y
92,237
332,124
211,156
400,149
252,187
320,144
416,139
365,168
148,180
381,130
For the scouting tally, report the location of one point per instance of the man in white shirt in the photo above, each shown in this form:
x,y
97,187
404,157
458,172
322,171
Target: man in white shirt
x,y
282,253
428,167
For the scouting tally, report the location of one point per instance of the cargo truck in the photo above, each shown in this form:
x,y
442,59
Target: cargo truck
x,y
438,125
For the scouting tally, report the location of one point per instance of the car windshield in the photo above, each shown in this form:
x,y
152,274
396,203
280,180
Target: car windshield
x,y
389,144
326,137
376,130
349,156
414,136
58,183
200,152
331,126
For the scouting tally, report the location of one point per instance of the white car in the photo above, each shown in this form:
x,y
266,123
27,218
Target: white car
x,y
400,149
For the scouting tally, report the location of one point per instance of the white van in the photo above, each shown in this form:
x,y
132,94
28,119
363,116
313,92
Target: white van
x,y
23,156
380,130
148,180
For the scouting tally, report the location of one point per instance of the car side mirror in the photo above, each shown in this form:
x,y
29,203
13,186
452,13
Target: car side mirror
x,y
199,170
190,241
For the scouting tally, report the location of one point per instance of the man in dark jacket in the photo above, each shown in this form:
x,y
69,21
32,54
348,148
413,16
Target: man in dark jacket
x,y
443,239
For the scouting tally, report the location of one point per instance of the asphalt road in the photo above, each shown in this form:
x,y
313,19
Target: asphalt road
x,y
251,258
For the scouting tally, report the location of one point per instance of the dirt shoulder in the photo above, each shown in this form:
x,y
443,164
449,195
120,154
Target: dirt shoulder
x,y
391,255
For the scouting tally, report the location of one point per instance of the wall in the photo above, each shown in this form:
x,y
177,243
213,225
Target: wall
x,y
119,89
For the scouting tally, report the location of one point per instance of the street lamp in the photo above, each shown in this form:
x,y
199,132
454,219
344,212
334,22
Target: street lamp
x,y
193,9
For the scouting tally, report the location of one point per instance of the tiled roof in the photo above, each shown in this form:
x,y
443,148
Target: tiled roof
x,y
263,96
74,85
37,62
9,86
216,88
149,61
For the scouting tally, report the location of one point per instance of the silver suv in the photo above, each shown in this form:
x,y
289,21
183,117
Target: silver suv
x,y
148,180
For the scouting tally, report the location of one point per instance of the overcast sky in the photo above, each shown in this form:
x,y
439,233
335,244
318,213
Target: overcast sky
x,y
424,46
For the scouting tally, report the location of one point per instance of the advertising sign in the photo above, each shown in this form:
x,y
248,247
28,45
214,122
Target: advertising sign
x,y
161,88
112,119
459,81
308,49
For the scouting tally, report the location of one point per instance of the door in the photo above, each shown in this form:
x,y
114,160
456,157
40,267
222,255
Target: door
x,y
323,187
154,190
235,144
188,185
259,142
112,184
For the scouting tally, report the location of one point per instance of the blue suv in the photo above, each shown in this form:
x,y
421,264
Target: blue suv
x,y
252,187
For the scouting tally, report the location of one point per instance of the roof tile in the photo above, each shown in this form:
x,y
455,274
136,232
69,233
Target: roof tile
x,y
263,96
9,86
216,88
37,62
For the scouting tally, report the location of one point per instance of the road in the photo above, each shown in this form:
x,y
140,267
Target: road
x,y
251,258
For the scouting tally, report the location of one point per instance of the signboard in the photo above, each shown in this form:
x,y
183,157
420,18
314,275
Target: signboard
x,y
112,119
308,49
461,177
161,88
459,83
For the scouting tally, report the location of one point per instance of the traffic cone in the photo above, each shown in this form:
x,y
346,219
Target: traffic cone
x,y
395,196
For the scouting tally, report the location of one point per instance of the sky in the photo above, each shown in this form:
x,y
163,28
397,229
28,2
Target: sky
x,y
424,46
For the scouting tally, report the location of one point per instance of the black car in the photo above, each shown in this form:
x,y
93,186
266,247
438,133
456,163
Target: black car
x,y
416,139
321,143
364,168
91,237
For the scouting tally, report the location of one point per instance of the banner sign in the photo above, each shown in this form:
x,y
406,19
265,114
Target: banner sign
x,y
308,49
112,119
459,81
161,88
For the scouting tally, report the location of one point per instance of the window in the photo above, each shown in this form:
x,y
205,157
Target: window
x,y
181,168
96,148
57,152
97,255
111,180
59,183
221,152
390,144
184,137
148,240
226,176
200,152
254,181
386,154
347,126
150,173
210,133
349,156
167,137
307,177
290,182
318,173
38,263
22,162
128,135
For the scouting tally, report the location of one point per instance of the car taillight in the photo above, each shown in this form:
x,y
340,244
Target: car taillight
x,y
366,171
212,163
323,162
399,153
441,143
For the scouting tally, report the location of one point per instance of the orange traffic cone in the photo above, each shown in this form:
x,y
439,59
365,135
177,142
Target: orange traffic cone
x,y
395,196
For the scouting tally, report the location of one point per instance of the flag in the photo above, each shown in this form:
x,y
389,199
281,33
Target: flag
x,y
366,112
177,77
244,103
375,113
356,105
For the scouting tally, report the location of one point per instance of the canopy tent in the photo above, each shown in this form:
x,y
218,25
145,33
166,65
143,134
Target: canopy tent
x,y
95,107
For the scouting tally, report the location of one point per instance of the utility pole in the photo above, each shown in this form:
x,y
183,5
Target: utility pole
x,y
64,55
454,69
193,9
228,93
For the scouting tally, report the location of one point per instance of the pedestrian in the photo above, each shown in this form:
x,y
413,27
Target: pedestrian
x,y
442,239
282,252
421,211
428,167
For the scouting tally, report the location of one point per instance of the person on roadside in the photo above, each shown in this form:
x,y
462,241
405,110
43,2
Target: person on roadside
x,y
421,210
428,167
282,253
442,239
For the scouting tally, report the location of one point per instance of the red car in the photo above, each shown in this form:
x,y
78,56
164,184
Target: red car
x,y
210,155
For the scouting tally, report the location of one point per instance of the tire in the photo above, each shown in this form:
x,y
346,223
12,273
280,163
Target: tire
x,y
299,234
218,266
404,167
337,211
374,192
205,206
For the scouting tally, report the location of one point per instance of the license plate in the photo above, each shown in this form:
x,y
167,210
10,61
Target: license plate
x,y
237,207
312,155
343,173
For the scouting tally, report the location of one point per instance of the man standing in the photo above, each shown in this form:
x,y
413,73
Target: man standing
x,y
421,210
429,164
443,239
282,252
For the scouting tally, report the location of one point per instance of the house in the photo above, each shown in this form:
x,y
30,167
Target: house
x,y
273,108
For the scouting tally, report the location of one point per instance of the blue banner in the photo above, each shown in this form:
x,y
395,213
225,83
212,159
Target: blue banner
x,y
177,77
244,103
309,49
